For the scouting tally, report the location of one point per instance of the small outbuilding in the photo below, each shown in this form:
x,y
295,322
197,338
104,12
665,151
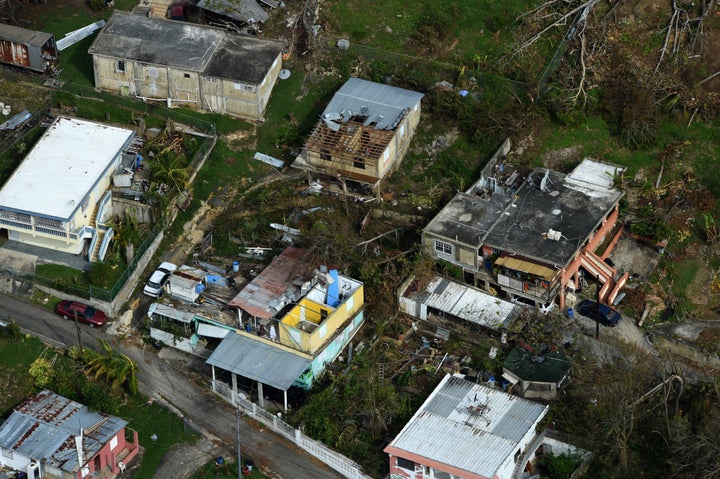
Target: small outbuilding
x,y
536,374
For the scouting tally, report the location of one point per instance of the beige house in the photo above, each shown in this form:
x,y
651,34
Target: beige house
x,y
60,196
184,64
363,133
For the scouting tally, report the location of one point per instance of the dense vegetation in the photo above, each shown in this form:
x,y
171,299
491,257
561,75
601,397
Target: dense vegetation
x,y
629,82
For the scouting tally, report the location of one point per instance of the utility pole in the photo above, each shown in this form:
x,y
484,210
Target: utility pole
x,y
237,430
77,327
597,309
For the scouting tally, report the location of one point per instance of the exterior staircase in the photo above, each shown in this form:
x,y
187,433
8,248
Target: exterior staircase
x,y
605,274
95,254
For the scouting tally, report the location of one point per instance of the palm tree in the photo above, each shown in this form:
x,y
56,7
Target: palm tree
x,y
169,167
118,368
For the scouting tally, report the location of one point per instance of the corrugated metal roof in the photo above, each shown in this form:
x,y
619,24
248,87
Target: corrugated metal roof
x,y
468,426
247,11
594,177
23,35
253,358
273,288
44,426
79,152
527,267
384,105
468,303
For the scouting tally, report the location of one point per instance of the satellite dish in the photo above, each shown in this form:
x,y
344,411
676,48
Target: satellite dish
x,y
284,74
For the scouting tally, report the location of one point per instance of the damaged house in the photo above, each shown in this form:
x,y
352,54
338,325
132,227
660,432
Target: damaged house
x,y
296,316
533,238
184,64
466,430
53,437
363,133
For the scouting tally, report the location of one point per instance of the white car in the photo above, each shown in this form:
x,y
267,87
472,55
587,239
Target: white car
x,y
154,285
529,303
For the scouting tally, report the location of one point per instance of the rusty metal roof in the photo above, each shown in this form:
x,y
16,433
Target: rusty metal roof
x,y
23,35
279,284
44,427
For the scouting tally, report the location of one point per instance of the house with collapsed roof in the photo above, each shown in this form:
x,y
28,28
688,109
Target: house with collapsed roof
x,y
531,236
536,373
296,316
184,64
466,430
60,196
53,437
364,132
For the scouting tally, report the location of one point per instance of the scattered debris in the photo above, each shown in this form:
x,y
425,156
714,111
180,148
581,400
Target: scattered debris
x,y
76,35
16,120
269,160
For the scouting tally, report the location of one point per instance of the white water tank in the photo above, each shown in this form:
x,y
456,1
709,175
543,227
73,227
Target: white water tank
x,y
33,470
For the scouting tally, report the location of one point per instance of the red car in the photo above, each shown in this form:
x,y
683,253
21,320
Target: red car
x,y
85,314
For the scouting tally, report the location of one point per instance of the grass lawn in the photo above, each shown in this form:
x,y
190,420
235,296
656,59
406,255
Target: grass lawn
x,y
142,416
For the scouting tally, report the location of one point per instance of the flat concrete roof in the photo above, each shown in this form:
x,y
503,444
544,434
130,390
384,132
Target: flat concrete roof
x,y
63,167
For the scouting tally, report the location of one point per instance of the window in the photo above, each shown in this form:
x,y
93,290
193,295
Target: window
x,y
405,464
243,86
152,72
402,130
186,75
120,66
325,155
443,248
359,162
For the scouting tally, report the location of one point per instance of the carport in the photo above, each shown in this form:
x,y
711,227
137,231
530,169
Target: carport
x,y
259,360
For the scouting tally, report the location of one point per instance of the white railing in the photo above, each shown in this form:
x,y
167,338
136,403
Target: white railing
x,y
337,461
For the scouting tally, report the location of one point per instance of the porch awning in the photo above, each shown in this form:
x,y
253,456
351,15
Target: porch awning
x,y
527,267
211,331
258,360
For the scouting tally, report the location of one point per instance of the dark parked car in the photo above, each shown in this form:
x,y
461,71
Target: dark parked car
x,y
85,314
600,312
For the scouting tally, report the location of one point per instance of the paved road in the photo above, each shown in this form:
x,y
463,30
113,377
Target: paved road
x,y
183,383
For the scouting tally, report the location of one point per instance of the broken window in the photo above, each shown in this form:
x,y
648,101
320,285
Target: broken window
x,y
359,162
325,155
121,66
